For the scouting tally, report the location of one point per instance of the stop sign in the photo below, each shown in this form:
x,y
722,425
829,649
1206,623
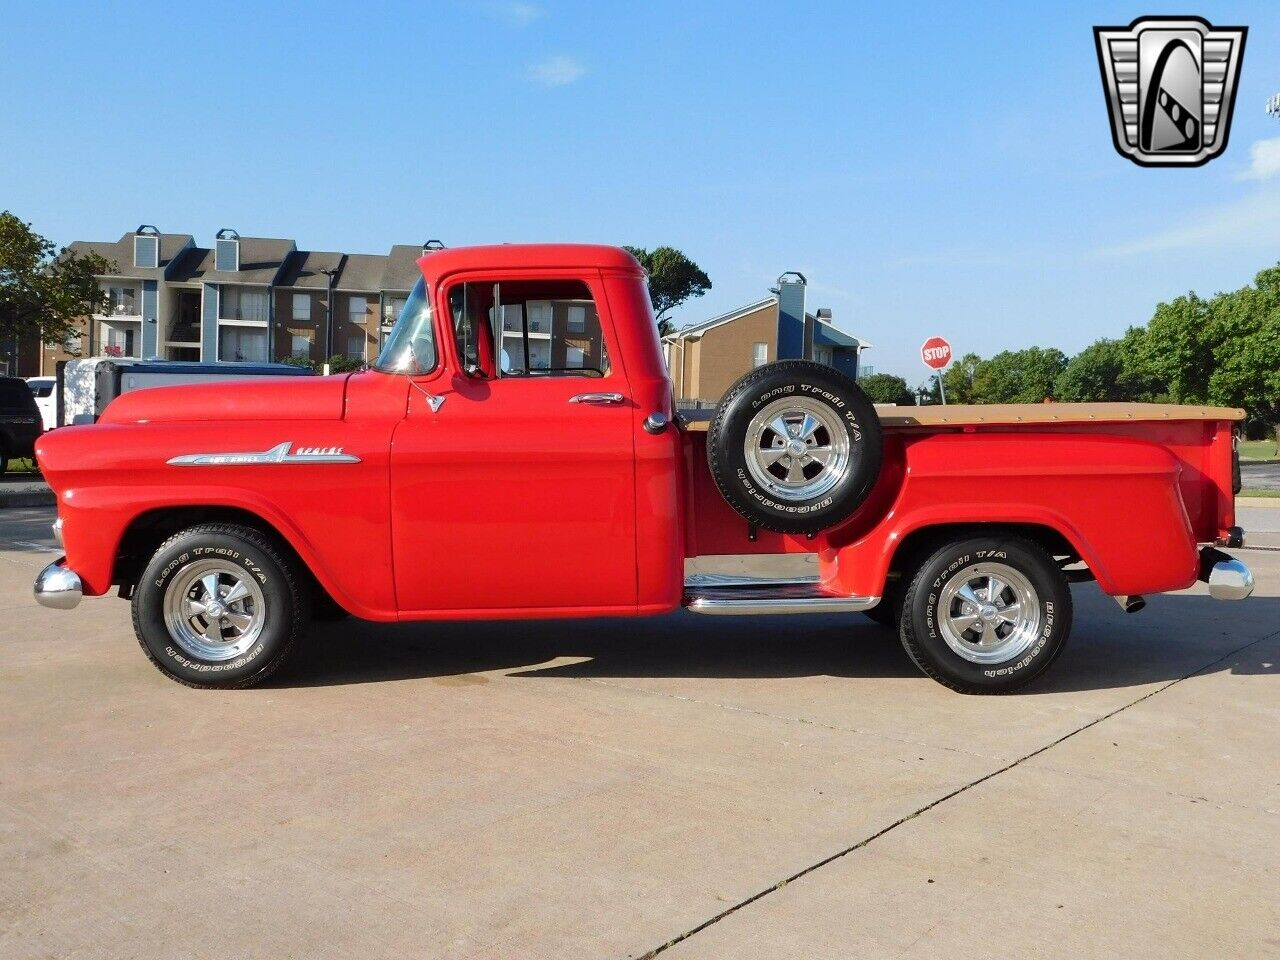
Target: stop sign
x,y
936,353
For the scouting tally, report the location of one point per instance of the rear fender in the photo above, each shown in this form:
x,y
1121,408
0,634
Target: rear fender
x,y
1115,500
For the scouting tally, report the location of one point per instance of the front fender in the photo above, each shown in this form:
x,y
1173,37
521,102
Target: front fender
x,y
1115,500
95,520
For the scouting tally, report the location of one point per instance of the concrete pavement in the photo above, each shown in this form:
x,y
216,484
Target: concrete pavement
x,y
682,787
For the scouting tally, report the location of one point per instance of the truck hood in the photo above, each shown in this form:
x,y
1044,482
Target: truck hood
x,y
261,398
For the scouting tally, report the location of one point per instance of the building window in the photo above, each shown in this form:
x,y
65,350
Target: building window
x,y
577,318
759,354
513,317
122,302
146,252
243,304
226,256
301,345
357,310
540,317
823,355
120,338
391,309
574,356
355,346
302,307
242,345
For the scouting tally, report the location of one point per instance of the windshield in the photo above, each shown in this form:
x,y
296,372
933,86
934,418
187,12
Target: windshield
x,y
411,347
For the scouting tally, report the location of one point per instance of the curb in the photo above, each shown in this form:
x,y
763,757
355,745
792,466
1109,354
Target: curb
x,y
27,498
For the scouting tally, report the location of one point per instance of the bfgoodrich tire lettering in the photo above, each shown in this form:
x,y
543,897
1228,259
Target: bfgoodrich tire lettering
x,y
795,446
986,615
279,607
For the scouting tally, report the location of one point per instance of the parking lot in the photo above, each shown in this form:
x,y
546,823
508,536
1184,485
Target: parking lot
x,y
692,788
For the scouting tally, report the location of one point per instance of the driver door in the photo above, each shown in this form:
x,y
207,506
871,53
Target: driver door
x,y
516,497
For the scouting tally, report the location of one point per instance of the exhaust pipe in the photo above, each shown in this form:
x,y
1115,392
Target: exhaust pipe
x,y
1131,604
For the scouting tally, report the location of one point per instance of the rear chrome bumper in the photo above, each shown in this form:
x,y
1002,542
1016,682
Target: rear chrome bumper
x,y
58,586
1228,578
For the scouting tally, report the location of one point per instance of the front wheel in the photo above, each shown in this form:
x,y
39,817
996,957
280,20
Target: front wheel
x,y
986,615
219,605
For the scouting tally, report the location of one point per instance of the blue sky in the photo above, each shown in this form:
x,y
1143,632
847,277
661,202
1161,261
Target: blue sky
x,y
940,168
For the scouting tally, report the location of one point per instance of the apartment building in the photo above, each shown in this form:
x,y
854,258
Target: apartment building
x,y
706,358
239,300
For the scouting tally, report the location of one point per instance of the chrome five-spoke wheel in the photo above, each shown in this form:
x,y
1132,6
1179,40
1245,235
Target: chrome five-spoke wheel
x,y
214,610
989,613
797,449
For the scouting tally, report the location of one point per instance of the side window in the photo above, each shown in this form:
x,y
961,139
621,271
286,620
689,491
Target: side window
x,y
528,328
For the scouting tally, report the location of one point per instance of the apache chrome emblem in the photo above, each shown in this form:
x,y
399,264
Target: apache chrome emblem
x,y
1170,84
277,454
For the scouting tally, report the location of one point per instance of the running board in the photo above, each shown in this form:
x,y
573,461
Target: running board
x,y
746,596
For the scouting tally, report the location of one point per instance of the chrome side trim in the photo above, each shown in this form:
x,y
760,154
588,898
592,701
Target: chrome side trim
x,y
1230,580
730,596
57,531
745,606
58,586
277,454
697,581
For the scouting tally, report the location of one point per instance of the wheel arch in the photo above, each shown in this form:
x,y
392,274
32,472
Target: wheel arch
x,y
921,542
149,529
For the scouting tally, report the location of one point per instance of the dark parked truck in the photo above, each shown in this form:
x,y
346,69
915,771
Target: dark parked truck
x,y
20,421
514,453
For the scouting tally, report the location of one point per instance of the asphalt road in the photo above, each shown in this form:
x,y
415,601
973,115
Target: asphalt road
x,y
1260,476
683,787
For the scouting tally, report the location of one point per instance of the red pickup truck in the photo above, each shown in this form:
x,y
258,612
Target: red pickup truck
x,y
514,453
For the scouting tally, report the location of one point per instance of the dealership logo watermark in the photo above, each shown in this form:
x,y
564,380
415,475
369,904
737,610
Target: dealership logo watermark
x,y
1170,84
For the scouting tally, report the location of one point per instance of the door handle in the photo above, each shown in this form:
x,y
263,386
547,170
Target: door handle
x,y
597,398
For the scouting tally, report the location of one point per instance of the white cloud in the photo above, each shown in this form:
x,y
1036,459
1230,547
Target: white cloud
x,y
556,71
1264,160
515,13
1249,221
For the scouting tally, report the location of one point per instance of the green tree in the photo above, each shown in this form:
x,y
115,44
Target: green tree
x,y
1176,349
1018,376
673,279
958,378
1245,339
1092,375
1107,370
44,291
886,388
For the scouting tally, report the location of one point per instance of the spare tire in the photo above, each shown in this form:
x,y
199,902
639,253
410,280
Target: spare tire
x,y
795,446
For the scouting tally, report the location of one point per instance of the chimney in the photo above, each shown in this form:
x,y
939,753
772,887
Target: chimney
x,y
795,337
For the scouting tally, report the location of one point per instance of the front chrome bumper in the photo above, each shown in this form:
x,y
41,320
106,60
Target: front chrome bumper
x,y
58,586
1228,578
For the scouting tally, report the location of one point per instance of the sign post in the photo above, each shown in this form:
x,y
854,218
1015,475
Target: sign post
x,y
936,354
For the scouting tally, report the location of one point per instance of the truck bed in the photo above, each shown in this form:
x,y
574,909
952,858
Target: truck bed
x,y
1014,414
1008,460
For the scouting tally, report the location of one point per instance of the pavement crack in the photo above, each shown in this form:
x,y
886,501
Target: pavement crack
x,y
839,854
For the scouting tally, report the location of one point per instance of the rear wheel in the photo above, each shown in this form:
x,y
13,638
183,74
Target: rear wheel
x,y
986,615
218,605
